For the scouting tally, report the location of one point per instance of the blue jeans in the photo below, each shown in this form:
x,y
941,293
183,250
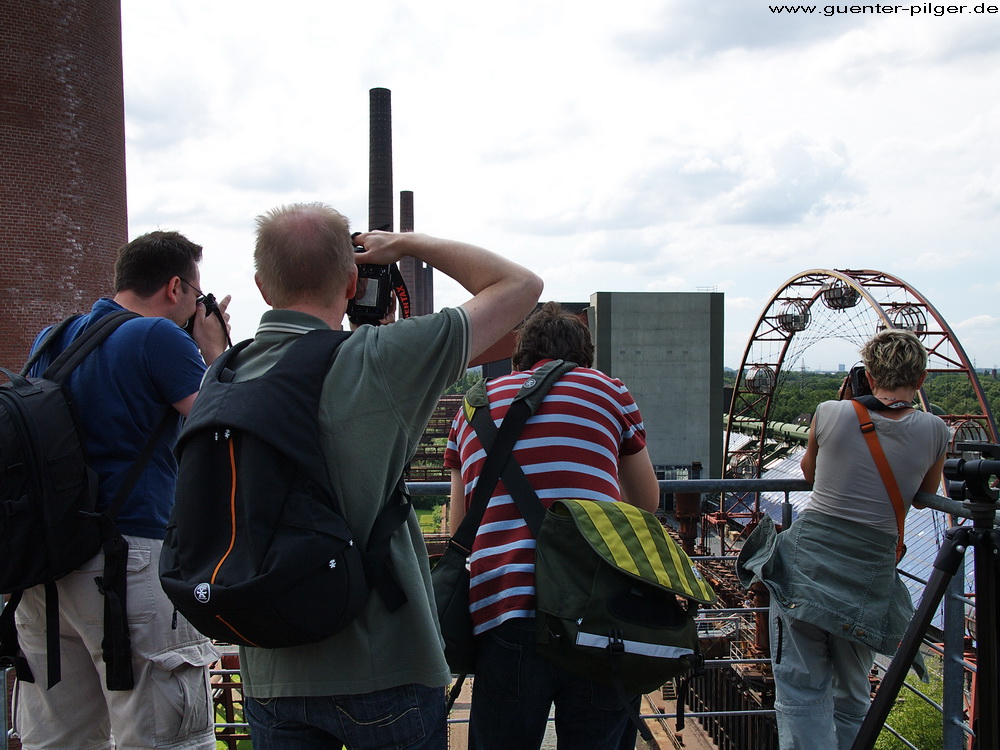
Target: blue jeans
x,y
821,687
514,689
408,717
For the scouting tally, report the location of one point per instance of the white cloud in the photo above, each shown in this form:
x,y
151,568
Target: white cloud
x,y
697,28
979,321
652,144
794,180
741,303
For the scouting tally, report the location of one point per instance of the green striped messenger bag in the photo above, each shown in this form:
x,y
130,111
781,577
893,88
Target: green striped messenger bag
x,y
616,596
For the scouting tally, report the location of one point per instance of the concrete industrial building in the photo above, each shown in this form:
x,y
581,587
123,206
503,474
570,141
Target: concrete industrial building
x,y
667,348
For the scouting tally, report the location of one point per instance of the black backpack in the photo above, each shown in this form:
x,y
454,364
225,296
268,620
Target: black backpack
x,y
49,525
257,551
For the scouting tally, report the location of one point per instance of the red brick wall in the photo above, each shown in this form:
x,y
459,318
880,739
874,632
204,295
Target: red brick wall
x,y
62,162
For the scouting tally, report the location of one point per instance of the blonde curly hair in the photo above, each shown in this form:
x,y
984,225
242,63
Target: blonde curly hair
x,y
895,358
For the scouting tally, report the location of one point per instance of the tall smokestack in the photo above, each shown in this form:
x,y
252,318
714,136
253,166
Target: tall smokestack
x,y
418,276
380,192
62,186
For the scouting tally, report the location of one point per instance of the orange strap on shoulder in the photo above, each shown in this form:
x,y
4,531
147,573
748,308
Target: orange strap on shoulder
x,y
882,463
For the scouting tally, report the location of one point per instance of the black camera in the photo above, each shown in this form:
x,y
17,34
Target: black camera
x,y
374,296
859,381
211,308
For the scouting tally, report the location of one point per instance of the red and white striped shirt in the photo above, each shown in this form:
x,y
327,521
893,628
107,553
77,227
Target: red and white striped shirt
x,y
568,449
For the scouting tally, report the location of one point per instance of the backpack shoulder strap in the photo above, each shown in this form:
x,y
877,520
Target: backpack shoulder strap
x,y
10,650
139,465
534,389
884,470
303,368
84,344
499,445
375,556
112,582
279,406
54,333
529,396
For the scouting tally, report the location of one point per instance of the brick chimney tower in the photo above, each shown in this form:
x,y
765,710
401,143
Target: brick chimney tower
x,y
62,162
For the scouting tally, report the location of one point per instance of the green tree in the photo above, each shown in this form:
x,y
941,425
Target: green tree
x,y
471,377
797,393
952,393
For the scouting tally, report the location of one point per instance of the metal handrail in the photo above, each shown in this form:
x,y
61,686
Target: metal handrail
x,y
954,725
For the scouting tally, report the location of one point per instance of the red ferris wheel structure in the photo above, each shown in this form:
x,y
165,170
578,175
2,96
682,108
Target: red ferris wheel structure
x,y
850,305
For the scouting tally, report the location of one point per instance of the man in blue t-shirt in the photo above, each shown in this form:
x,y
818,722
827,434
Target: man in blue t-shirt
x,y
148,370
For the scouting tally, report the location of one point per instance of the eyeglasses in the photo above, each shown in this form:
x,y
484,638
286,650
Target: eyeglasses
x,y
197,291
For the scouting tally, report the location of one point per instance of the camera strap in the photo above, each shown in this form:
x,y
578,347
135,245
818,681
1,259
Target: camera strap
x,y
884,470
395,279
399,287
875,404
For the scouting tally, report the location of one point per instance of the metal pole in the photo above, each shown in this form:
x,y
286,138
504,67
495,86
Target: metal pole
x,y
953,700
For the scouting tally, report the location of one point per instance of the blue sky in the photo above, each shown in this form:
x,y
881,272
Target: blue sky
x,y
646,145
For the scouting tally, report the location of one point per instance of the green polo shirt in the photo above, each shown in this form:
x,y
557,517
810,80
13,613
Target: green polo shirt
x,y
377,399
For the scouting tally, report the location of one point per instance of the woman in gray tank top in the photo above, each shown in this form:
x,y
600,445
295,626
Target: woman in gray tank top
x,y
836,598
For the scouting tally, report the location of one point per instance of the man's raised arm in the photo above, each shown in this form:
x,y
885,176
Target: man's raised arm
x,y
503,291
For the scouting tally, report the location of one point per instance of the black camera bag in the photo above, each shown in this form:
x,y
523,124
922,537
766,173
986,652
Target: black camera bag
x,y
49,525
257,551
